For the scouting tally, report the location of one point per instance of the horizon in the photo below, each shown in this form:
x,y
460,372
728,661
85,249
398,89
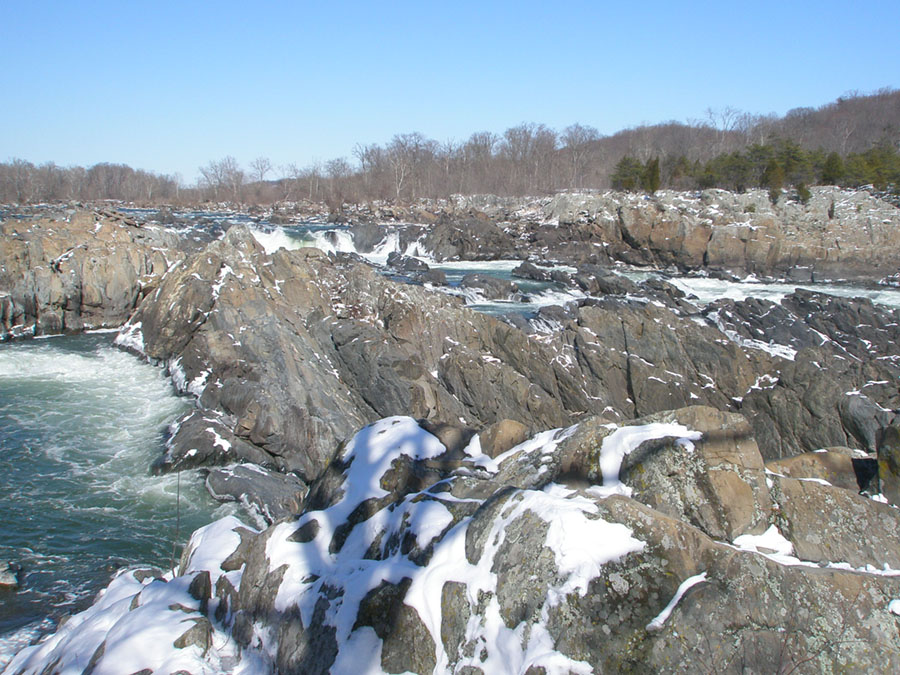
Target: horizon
x,y
241,85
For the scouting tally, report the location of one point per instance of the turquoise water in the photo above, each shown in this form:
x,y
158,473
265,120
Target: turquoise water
x,y
80,423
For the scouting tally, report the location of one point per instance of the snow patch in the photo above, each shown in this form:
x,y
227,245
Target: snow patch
x,y
687,584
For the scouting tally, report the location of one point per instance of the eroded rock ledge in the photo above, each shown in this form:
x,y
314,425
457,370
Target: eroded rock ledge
x,y
73,270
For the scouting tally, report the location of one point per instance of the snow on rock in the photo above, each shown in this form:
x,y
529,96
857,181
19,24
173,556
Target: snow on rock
x,y
414,558
130,337
144,621
660,619
313,571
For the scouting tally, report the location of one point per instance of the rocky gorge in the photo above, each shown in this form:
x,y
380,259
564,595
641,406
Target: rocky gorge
x,y
630,481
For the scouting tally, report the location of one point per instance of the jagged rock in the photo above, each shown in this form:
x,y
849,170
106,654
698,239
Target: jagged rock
x,y
273,495
469,240
298,349
198,635
72,271
490,287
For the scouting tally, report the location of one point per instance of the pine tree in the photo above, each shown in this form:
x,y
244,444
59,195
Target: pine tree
x,y
650,177
833,169
773,178
628,174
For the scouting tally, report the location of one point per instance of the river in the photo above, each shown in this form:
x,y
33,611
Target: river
x,y
80,424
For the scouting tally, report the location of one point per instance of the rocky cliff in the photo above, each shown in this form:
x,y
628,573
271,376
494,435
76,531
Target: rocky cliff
x,y
630,482
289,354
71,270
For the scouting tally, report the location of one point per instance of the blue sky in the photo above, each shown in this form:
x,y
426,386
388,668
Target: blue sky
x,y
169,86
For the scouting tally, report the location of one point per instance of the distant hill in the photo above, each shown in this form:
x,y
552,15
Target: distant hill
x,y
852,141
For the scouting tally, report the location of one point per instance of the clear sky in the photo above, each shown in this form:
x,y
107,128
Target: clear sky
x,y
168,86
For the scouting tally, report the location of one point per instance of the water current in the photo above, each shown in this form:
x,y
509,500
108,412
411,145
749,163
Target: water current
x,y
80,424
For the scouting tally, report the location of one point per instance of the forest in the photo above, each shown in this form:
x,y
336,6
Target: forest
x,y
852,141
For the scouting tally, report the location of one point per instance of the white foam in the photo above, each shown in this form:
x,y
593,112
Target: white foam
x,y
275,239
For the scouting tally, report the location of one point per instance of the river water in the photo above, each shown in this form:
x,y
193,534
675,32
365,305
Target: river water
x,y
80,423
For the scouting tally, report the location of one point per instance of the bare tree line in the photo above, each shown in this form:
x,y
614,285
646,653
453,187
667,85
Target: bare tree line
x,y
526,159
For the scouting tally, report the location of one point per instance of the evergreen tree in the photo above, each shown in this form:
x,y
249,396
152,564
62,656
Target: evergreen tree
x,y
773,179
628,174
650,177
833,169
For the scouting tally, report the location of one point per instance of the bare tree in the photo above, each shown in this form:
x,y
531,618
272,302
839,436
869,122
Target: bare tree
x,y
223,177
338,171
577,140
260,167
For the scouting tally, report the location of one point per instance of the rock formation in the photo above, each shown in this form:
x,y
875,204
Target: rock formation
x,y
657,545
630,482
76,270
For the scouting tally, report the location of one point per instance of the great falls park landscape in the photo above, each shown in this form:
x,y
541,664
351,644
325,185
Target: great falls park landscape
x,y
541,401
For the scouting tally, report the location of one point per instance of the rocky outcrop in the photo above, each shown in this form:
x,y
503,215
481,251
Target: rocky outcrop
x,y
473,239
642,532
411,557
833,385
76,269
296,350
838,234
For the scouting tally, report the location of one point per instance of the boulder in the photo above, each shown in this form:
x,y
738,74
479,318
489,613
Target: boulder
x,y
528,270
404,263
840,467
9,575
490,287
271,494
828,524
502,435
596,280
205,438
